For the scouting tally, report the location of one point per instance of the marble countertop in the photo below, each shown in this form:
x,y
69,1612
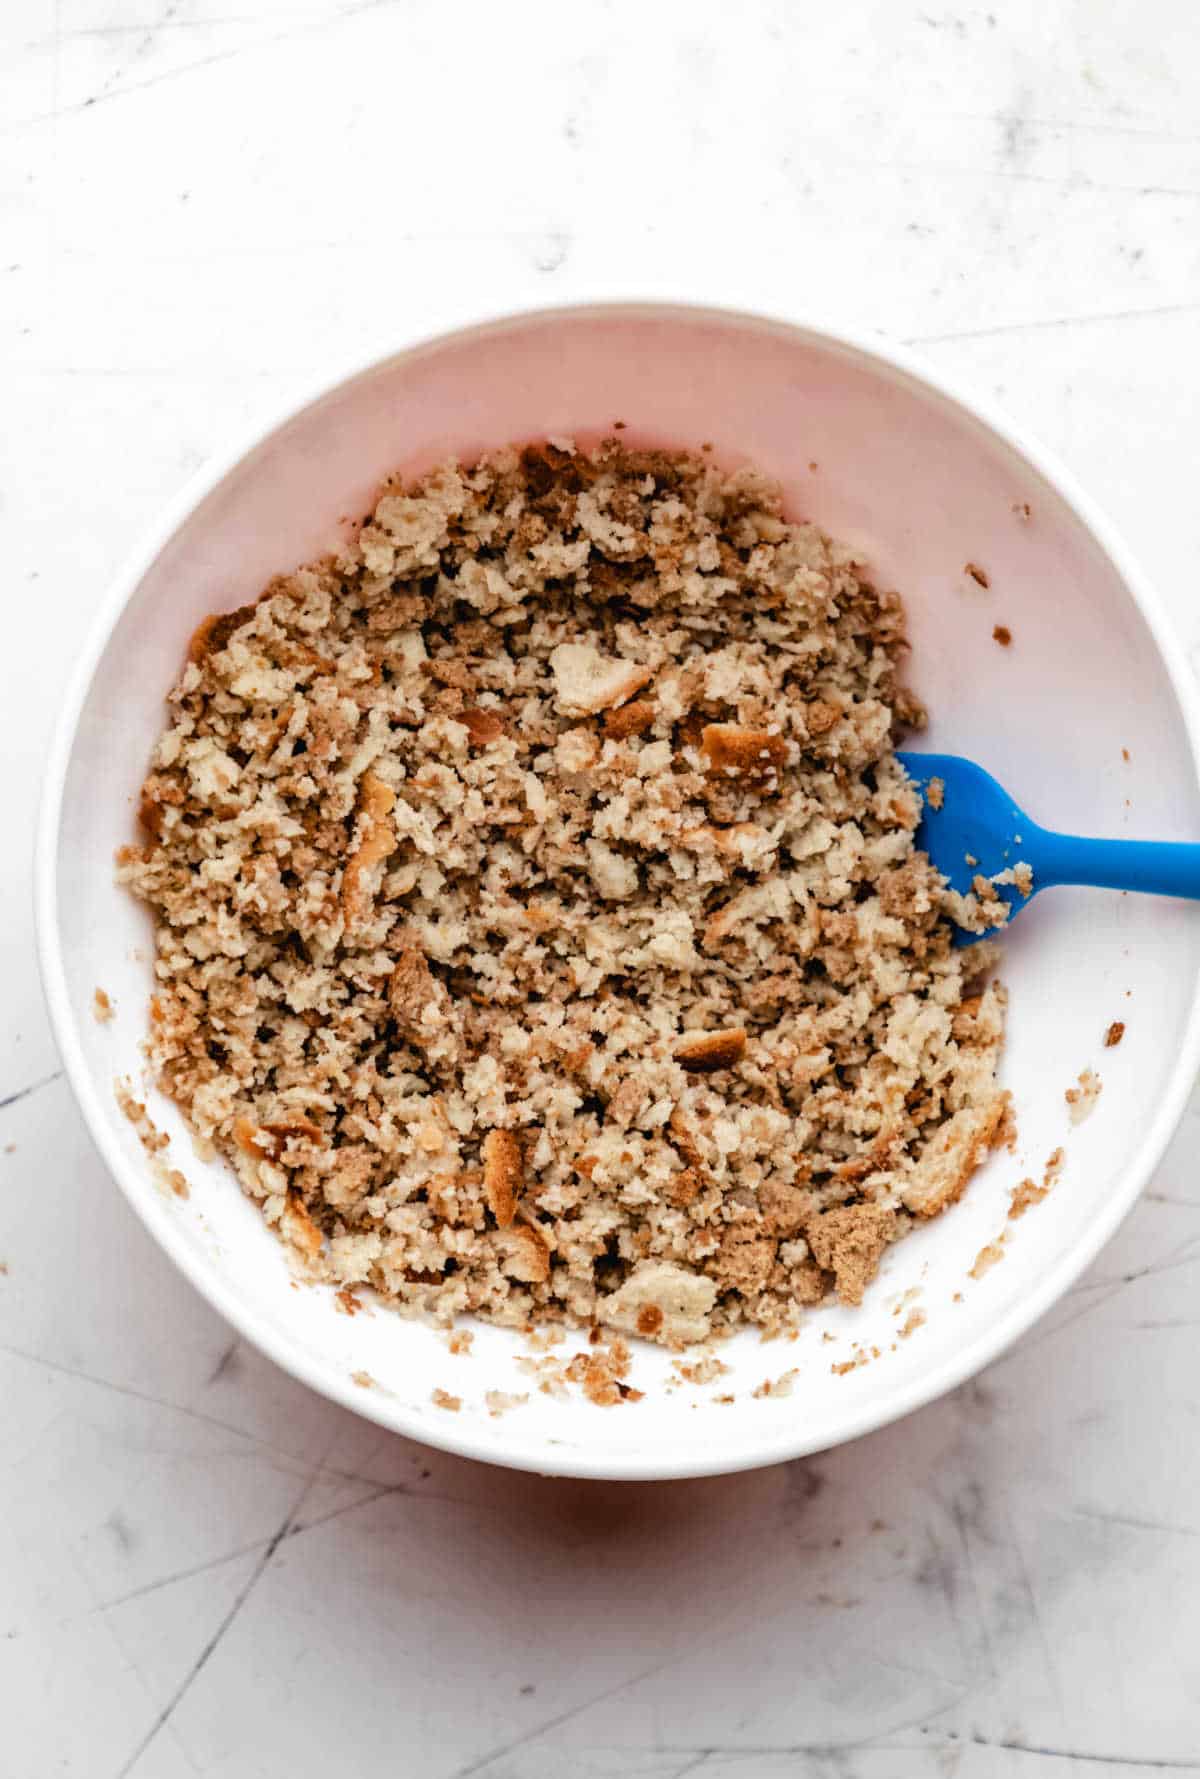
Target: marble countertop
x,y
206,1570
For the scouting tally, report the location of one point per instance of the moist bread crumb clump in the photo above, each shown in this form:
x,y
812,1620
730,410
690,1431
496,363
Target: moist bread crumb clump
x,y
540,930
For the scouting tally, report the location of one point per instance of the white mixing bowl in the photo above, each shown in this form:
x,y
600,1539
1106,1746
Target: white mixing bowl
x,y
922,481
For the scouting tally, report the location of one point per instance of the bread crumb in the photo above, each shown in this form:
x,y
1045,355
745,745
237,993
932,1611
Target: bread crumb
x,y
702,1371
977,574
153,1140
443,1399
169,1179
1114,1034
1125,754
849,1242
1022,1196
364,1380
1002,634
1022,509
916,1319
102,1007
987,1257
1081,1100
499,1402
776,1388
702,1052
502,1170
541,933
459,1340
935,793
346,1302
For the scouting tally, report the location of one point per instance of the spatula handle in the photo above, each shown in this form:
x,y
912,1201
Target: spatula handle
x,y
1155,867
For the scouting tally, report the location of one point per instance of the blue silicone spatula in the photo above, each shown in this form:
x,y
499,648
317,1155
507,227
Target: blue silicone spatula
x,y
978,820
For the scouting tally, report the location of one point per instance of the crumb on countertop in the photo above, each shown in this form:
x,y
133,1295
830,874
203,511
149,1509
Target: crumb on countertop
x,y
1002,634
443,1399
1114,1034
102,1007
979,575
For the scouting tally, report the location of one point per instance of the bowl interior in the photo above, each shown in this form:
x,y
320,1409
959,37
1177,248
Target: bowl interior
x,y
1079,717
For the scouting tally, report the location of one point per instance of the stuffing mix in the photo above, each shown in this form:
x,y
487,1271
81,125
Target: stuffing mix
x,y
540,931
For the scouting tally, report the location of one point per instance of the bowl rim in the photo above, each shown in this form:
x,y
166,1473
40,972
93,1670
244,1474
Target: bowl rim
x,y
506,1446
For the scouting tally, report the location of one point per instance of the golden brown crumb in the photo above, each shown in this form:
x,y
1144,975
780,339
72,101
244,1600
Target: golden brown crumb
x,y
1081,1100
540,929
152,1139
703,1052
175,1182
443,1399
460,1340
935,793
364,1380
1002,634
346,1301
1114,1034
750,753
1022,1196
987,1257
483,727
631,719
501,1175
915,1319
702,1371
102,1007
775,1387
977,574
1125,754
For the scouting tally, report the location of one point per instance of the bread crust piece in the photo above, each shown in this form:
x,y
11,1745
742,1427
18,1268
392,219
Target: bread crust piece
x,y
502,1175
702,1053
951,1156
750,753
